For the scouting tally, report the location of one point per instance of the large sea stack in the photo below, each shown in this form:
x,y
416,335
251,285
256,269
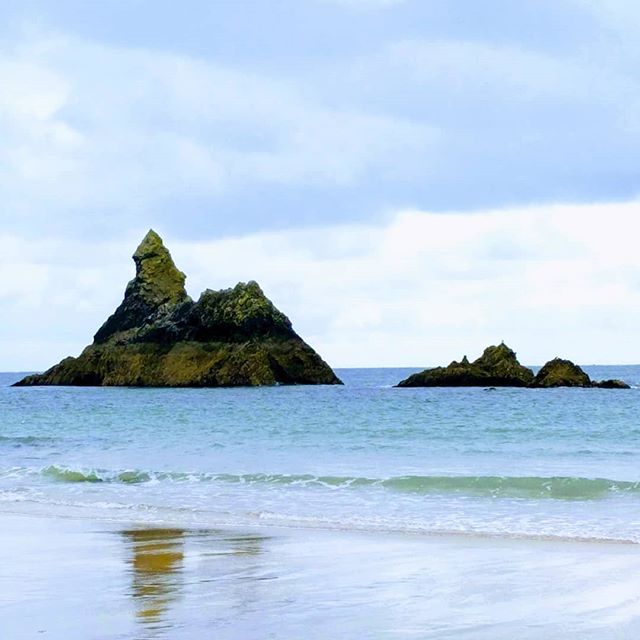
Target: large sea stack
x,y
160,337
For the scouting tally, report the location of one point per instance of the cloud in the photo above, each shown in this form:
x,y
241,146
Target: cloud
x,y
428,287
100,136
419,290
93,132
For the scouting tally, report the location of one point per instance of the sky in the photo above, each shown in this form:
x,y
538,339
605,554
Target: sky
x,y
408,180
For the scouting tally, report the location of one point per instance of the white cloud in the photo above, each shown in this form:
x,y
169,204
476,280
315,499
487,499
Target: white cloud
x,y
97,138
421,289
555,280
93,128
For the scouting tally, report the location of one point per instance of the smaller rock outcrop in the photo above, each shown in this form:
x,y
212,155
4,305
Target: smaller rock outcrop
x,y
561,373
498,366
564,373
611,384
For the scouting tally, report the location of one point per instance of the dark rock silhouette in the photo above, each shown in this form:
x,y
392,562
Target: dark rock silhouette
x,y
159,337
611,384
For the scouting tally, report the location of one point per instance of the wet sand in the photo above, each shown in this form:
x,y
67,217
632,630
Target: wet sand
x,y
77,579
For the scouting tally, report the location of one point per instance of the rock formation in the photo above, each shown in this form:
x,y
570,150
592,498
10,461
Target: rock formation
x,y
564,373
499,367
611,384
160,337
561,373
496,367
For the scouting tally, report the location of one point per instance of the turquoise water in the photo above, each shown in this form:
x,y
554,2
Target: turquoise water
x,y
520,463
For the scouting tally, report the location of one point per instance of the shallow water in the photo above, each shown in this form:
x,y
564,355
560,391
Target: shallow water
x,y
494,467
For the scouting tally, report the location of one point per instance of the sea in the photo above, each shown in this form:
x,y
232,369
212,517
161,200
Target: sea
x,y
380,512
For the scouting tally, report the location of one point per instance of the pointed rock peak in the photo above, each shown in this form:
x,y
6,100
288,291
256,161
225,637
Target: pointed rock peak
x,y
494,354
151,244
158,280
156,289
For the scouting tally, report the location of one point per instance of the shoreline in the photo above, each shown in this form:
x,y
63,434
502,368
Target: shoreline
x,y
294,526
74,578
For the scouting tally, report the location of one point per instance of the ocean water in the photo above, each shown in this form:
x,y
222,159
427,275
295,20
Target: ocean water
x,y
508,462
486,477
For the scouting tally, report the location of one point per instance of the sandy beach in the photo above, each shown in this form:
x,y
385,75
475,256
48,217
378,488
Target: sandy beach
x,y
81,579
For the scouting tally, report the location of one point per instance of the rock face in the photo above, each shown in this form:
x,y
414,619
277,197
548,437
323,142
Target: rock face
x,y
157,289
561,373
160,337
496,367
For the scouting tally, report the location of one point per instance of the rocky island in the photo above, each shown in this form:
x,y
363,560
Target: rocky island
x,y
561,373
564,373
498,366
160,337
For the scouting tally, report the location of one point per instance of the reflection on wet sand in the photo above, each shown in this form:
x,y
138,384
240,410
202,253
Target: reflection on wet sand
x,y
156,559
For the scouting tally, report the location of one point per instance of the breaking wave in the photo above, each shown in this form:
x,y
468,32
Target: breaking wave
x,y
525,487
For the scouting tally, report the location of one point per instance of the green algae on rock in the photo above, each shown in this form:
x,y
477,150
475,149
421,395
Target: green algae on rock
x,y
498,366
157,289
160,337
561,373
564,373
